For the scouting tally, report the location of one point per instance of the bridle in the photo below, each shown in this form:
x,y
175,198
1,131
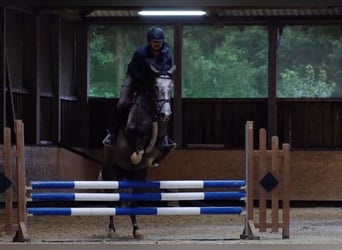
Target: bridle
x,y
155,104
159,103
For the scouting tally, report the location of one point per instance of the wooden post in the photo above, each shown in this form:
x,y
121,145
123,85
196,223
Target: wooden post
x,y
286,192
8,171
249,229
21,189
275,190
262,171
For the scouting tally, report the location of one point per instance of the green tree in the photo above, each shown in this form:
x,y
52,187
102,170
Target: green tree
x,y
228,62
308,62
309,84
101,58
111,48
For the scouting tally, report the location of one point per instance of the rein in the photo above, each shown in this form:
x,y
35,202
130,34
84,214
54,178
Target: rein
x,y
142,105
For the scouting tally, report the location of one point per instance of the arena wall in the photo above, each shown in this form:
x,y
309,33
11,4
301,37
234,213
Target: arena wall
x,y
315,175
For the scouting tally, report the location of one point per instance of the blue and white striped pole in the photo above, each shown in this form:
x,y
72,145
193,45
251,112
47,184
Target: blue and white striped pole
x,y
135,211
182,184
137,196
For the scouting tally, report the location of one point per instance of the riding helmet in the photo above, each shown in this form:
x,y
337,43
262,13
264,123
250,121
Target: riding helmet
x,y
155,34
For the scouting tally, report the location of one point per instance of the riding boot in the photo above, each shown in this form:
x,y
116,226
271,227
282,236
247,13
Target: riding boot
x,y
165,146
113,131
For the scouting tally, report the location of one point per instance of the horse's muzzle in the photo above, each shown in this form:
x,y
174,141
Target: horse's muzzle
x,y
164,117
165,112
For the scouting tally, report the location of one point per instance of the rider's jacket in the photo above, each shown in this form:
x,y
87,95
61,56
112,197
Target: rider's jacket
x,y
139,68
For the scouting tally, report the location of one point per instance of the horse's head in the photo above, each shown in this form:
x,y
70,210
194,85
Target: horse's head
x,y
163,87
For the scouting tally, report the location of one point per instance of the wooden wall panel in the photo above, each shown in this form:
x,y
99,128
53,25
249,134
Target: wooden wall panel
x,y
68,59
311,124
315,175
72,125
101,116
45,119
220,121
337,119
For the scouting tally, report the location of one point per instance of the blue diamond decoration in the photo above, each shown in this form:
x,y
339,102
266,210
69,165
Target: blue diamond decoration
x,y
4,183
269,182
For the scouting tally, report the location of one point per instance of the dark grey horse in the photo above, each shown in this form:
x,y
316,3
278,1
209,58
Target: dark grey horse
x,y
134,149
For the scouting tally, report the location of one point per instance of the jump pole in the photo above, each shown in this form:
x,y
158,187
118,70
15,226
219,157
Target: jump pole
x,y
135,211
193,184
178,196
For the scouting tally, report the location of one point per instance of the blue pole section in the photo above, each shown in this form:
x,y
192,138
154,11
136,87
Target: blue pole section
x,y
52,184
49,211
53,196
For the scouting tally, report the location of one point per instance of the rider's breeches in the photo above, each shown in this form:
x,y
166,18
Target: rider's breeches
x,y
125,94
122,105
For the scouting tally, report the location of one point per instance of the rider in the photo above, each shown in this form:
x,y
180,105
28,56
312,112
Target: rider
x,y
156,53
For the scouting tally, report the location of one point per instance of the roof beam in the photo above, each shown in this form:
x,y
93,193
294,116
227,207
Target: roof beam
x,y
174,3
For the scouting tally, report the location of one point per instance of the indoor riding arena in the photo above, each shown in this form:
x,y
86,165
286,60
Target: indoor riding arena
x,y
254,107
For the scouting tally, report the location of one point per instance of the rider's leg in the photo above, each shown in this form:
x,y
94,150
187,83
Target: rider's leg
x,y
125,94
122,108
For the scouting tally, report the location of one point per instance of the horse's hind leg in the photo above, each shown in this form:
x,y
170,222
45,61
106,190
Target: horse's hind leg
x,y
139,175
109,172
111,227
137,234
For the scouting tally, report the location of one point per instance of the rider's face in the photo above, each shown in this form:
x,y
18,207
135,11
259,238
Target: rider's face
x,y
156,45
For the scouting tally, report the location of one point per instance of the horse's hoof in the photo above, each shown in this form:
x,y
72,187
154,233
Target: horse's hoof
x,y
137,234
150,163
111,233
136,157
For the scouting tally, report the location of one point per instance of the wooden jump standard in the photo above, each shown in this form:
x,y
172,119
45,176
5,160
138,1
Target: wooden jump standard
x,y
7,154
273,184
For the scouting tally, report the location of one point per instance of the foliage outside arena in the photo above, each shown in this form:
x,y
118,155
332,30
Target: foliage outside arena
x,y
227,61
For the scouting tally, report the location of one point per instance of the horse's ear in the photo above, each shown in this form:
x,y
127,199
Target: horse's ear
x,y
173,68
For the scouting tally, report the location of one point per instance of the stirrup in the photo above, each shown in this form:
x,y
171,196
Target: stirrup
x,y
166,148
108,140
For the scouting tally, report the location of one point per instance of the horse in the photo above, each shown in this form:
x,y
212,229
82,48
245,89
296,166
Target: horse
x,y
134,149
